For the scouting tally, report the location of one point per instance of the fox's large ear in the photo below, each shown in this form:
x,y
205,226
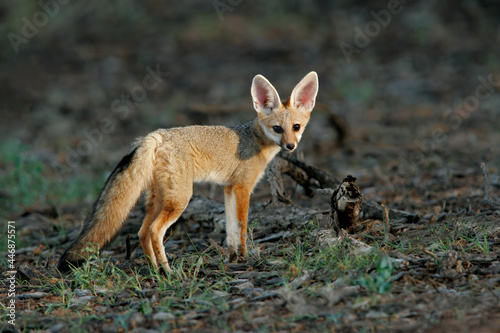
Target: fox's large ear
x,y
265,97
304,94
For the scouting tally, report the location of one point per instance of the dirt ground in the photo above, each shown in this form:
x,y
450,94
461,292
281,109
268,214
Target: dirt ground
x,y
408,104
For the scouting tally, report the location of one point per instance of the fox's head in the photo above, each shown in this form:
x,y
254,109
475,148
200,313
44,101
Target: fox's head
x,y
284,122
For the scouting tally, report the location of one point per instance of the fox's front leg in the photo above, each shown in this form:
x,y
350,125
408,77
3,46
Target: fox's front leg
x,y
242,196
237,200
231,222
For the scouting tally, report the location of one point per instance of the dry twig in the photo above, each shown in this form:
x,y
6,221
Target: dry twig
x,y
486,182
387,226
312,178
273,175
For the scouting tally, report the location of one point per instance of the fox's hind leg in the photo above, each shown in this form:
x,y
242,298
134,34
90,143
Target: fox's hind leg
x,y
153,208
167,217
173,181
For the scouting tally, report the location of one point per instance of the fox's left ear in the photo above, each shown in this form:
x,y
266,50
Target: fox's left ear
x,y
304,94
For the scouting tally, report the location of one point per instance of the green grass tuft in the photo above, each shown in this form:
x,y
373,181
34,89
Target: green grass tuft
x,y
380,281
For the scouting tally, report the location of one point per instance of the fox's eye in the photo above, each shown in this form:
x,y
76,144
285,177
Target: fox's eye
x,y
296,127
278,129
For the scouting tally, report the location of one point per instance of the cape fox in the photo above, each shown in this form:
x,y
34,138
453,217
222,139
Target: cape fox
x,y
167,162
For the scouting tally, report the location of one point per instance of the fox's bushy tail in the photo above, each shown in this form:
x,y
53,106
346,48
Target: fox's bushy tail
x,y
122,189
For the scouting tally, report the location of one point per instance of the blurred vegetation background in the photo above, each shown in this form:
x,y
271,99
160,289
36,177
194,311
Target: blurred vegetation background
x,y
65,63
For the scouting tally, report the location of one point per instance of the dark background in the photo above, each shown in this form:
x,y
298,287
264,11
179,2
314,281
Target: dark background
x,y
399,94
413,99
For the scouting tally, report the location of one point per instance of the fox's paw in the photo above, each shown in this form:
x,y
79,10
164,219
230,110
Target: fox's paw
x,y
233,254
242,250
237,255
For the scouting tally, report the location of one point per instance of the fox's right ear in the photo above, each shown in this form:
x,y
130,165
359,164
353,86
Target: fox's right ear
x,y
265,97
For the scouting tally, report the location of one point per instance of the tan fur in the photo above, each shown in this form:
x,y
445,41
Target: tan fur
x,y
166,163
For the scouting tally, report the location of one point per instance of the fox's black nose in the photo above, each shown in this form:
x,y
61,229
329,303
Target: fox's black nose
x,y
289,146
